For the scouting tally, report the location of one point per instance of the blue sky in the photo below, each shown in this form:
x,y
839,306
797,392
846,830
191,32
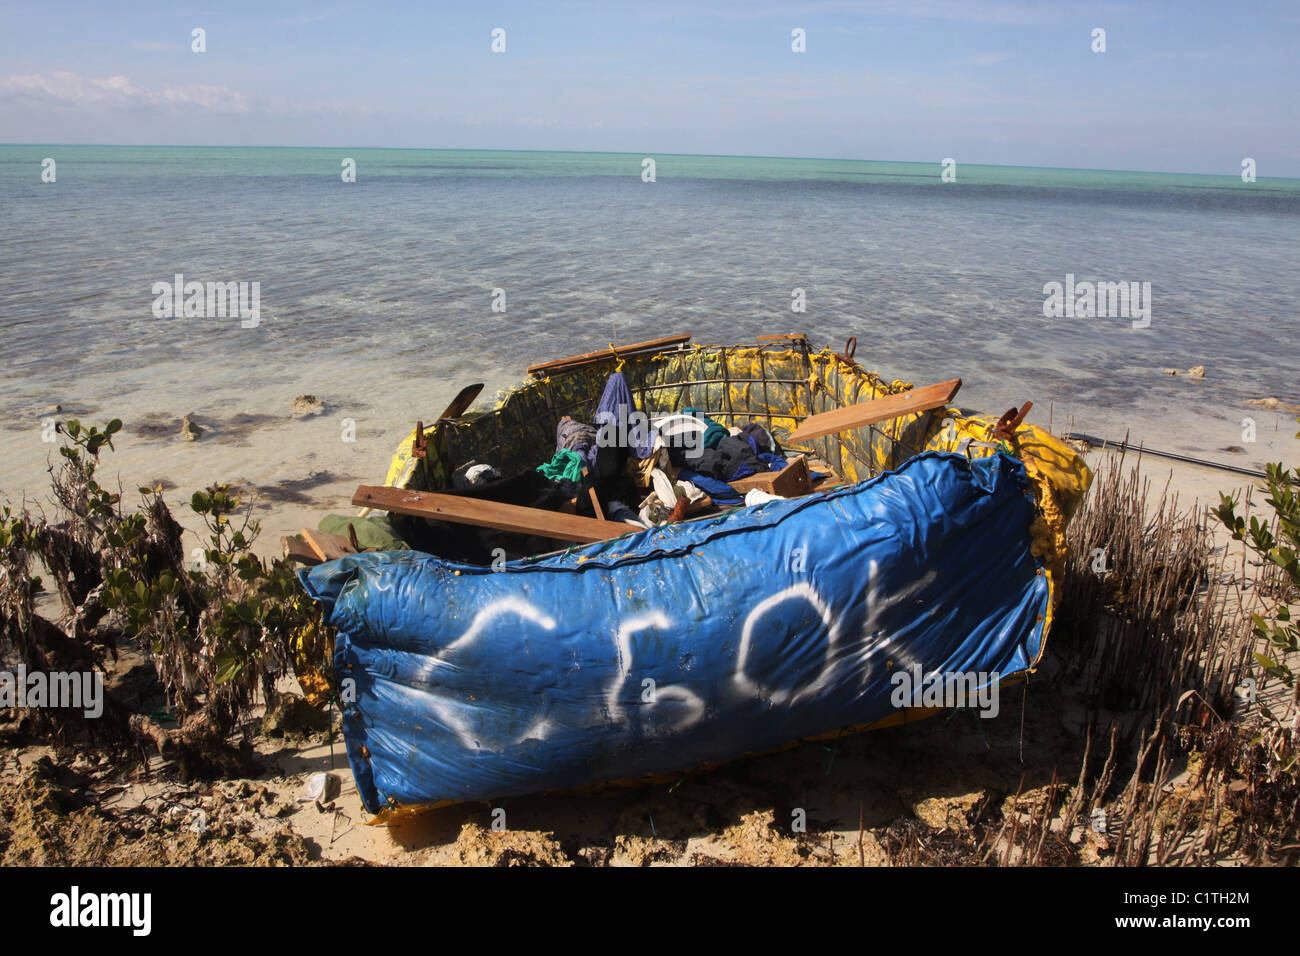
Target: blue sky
x,y
1183,87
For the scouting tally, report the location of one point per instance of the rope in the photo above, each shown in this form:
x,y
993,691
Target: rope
x,y
1140,450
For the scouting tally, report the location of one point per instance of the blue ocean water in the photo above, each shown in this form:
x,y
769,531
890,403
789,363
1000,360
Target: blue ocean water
x,y
377,294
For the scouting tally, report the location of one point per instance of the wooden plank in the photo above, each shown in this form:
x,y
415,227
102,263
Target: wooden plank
x,y
792,481
595,499
836,480
591,358
879,410
327,546
488,514
784,337
705,504
760,482
296,549
816,464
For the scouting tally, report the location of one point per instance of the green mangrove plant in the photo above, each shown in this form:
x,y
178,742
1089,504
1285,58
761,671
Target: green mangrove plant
x,y
1276,541
218,629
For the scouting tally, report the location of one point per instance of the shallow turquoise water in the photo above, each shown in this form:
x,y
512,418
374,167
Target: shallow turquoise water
x,y
379,293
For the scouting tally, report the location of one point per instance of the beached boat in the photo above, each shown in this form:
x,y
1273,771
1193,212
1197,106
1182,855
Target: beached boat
x,y
925,561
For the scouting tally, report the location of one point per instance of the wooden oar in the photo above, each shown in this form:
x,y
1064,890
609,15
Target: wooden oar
x,y
458,407
461,403
879,410
488,514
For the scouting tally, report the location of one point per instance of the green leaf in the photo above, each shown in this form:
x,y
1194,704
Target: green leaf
x,y
228,667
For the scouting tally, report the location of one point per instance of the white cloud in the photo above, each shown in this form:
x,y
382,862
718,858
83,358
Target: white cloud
x,y
67,89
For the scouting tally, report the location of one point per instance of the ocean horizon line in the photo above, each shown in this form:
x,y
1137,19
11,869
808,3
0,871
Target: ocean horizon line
x,y
651,153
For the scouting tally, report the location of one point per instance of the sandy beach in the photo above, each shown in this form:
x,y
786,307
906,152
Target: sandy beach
x,y
873,798
296,466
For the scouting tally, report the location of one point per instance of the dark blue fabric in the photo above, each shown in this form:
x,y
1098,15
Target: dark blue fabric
x,y
755,629
721,492
616,405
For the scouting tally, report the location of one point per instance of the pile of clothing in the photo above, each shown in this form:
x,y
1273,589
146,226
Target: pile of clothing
x,y
696,456
724,455
642,474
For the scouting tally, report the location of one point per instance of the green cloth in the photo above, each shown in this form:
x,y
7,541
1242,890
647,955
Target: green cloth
x,y
567,465
373,531
715,433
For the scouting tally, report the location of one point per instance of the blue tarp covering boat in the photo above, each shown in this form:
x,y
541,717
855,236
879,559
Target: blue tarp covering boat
x,y
685,645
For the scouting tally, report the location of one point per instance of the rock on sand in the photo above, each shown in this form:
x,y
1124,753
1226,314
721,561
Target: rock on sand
x,y
307,405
